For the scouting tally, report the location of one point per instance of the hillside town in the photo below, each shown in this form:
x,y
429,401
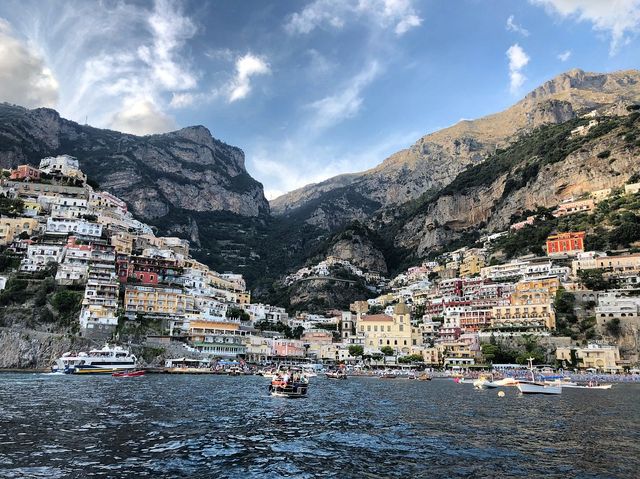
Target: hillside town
x,y
575,308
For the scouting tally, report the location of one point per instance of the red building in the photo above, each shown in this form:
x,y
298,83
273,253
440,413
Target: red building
x,y
23,172
566,243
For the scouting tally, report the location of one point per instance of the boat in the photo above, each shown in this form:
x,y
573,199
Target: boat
x,y
107,360
336,375
589,386
293,387
505,382
562,381
537,387
424,377
388,376
481,382
128,374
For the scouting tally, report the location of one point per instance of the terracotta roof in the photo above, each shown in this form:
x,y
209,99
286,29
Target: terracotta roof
x,y
376,317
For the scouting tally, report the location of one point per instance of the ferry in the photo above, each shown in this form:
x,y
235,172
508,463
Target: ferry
x,y
107,360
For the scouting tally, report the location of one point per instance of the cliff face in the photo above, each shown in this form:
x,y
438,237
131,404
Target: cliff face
x,y
183,170
436,159
606,158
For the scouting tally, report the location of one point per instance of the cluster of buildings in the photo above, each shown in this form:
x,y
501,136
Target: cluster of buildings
x,y
441,310
329,266
95,245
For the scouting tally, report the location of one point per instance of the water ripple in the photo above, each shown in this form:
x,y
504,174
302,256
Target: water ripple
x,y
182,426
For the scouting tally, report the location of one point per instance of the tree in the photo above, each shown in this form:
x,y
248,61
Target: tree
x,y
387,350
411,358
356,350
614,328
375,309
66,301
593,279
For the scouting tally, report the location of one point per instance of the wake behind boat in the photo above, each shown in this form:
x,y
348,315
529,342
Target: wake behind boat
x,y
107,360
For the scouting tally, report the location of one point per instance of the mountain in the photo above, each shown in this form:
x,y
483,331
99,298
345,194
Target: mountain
x,y
156,174
437,158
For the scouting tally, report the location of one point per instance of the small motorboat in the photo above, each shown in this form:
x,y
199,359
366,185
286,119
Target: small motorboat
x,y
336,375
388,376
589,386
128,374
289,388
536,387
424,377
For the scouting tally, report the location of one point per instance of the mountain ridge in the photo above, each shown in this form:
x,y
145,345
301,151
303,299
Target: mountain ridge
x,y
436,158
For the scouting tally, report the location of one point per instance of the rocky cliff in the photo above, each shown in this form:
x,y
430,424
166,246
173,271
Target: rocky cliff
x,y
156,174
437,158
539,170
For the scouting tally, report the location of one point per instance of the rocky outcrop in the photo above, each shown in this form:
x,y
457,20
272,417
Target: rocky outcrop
x,y
156,174
320,295
437,158
28,349
360,252
489,208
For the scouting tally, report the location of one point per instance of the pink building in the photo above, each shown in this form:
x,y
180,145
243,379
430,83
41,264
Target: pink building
x,y
291,348
24,172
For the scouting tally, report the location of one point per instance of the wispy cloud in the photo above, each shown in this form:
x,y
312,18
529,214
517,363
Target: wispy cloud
x,y
247,66
619,18
346,102
512,26
564,56
398,15
119,63
24,77
518,59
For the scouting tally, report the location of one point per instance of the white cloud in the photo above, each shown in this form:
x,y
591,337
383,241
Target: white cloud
x,y
346,103
518,59
170,30
246,66
141,117
512,26
25,79
399,15
564,56
120,61
619,18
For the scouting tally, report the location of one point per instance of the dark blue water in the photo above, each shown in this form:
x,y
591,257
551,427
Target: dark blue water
x,y
218,426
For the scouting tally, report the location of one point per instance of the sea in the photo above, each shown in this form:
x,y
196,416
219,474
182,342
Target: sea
x,y
229,427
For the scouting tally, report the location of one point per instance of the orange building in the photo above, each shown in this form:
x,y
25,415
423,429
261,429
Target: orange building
x,y
23,172
566,243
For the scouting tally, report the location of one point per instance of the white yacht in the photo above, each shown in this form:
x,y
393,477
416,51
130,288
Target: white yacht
x,y
536,387
107,360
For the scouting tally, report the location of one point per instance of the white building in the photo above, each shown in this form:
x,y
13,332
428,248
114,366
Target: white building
x,y
80,227
40,255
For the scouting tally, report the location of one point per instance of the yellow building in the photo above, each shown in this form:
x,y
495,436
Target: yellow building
x,y
218,338
380,330
123,242
535,291
157,300
11,228
531,306
242,298
471,265
594,356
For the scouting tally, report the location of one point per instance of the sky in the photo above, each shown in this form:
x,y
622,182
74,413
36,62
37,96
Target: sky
x,y
308,89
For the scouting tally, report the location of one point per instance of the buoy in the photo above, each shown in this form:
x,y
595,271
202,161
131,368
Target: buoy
x,y
500,394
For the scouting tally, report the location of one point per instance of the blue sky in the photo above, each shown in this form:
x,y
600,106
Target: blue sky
x,y
307,89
